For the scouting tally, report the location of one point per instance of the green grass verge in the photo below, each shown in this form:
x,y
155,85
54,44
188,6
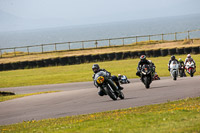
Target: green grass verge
x,y
9,97
178,116
81,72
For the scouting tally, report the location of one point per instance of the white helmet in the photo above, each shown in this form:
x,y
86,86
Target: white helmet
x,y
188,56
119,75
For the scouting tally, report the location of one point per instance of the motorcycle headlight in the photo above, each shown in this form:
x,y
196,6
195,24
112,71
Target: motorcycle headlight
x,y
100,79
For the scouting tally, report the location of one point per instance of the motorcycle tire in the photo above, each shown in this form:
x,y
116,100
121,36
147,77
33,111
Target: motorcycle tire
x,y
175,76
181,73
121,96
111,92
191,74
146,82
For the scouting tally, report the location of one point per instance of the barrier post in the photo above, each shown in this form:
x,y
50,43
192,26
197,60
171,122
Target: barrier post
x,y
69,45
109,42
55,47
82,44
96,43
15,51
188,35
149,38
162,37
123,41
42,48
1,53
175,36
136,39
28,50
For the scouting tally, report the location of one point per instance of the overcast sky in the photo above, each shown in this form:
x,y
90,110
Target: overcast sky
x,y
81,12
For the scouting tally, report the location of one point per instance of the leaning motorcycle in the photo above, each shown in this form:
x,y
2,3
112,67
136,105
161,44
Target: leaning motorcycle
x,y
174,66
190,68
156,77
146,75
103,80
124,80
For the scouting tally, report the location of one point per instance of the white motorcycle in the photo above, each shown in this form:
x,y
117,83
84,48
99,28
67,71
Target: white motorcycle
x,y
174,66
190,68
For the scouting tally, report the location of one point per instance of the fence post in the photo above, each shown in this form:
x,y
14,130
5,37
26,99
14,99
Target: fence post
x,y
188,35
109,42
14,51
28,50
162,37
175,36
1,53
55,47
149,38
96,43
123,41
69,45
136,39
82,44
42,48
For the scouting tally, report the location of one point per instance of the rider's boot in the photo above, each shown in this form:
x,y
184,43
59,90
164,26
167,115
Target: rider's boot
x,y
101,92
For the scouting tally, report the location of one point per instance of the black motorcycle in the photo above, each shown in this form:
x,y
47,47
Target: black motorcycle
x,y
103,80
146,75
182,71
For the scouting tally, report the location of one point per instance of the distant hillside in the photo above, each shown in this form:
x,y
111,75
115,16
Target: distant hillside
x,y
6,17
11,22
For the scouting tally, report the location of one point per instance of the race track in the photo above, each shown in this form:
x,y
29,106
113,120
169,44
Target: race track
x,y
82,98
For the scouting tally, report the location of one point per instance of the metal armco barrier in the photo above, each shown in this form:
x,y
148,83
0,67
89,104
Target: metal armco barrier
x,y
53,47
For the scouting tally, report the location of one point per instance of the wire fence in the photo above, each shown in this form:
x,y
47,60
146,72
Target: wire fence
x,y
64,46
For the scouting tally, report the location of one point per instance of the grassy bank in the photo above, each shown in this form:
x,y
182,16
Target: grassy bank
x,y
21,56
179,116
82,72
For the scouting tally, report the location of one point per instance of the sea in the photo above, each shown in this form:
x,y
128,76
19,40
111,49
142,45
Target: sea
x,y
102,31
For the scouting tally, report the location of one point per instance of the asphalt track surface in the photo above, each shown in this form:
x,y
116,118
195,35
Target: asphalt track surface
x,y
82,98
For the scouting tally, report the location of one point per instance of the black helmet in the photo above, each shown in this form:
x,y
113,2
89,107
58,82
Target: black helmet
x,y
172,57
143,57
95,68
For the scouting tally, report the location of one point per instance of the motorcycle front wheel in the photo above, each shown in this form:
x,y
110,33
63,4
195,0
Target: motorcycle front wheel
x,y
146,82
174,76
191,74
181,73
121,95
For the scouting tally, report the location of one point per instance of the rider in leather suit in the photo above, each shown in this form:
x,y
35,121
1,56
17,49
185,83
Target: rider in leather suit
x,y
97,69
143,61
173,58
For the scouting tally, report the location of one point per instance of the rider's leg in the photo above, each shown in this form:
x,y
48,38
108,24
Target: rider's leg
x,y
115,79
101,92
